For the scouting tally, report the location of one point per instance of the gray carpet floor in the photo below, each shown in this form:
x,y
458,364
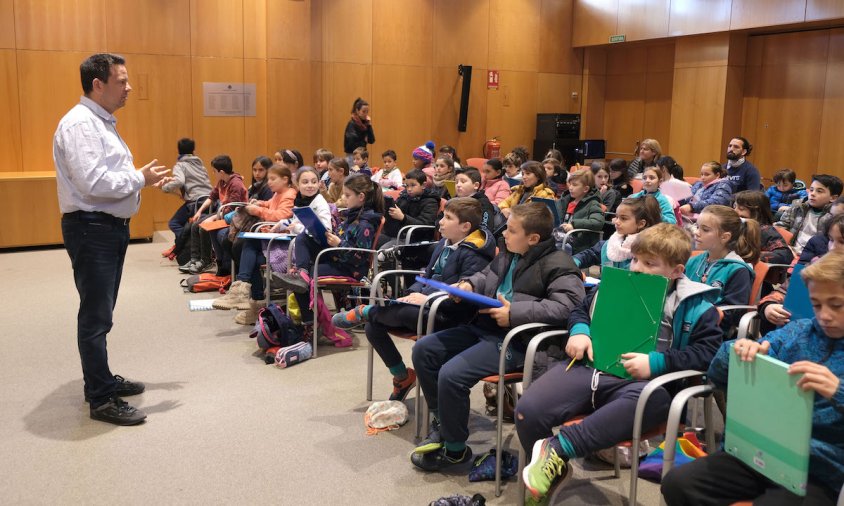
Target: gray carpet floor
x,y
222,427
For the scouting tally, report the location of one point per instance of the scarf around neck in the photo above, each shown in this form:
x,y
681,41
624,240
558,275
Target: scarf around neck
x,y
359,124
618,247
302,201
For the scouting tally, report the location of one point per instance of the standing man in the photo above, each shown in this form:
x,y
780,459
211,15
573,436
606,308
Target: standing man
x,y
99,191
742,174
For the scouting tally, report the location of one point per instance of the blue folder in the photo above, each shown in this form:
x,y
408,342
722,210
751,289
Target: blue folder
x,y
552,205
312,224
471,297
797,300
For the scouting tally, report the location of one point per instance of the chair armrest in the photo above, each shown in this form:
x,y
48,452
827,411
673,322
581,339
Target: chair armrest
x,y
376,280
581,231
328,250
420,320
260,224
409,229
737,306
530,355
677,404
748,327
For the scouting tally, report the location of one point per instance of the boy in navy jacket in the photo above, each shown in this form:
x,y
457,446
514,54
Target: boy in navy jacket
x,y
814,349
689,337
464,250
535,283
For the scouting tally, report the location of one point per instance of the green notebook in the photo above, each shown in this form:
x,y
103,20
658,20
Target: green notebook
x,y
769,420
627,316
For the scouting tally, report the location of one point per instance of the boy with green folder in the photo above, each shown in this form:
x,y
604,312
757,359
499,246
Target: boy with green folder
x,y
814,348
688,336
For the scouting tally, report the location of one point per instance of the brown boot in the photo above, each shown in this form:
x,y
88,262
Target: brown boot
x,y
250,316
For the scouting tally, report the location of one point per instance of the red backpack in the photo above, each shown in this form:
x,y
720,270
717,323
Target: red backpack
x,y
206,282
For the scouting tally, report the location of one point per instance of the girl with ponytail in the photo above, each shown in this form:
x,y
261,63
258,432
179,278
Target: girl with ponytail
x,y
730,249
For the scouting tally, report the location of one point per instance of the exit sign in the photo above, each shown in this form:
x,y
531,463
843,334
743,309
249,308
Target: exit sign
x,y
616,38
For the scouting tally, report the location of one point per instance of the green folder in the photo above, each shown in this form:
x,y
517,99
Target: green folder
x,y
627,316
451,187
769,420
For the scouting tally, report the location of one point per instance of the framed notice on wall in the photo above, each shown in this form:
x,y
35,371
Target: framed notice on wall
x,y
228,99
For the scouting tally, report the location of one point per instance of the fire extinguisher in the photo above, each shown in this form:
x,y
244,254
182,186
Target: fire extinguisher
x,y
492,148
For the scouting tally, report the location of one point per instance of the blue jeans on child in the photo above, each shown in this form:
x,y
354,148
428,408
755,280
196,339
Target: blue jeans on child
x,y
249,271
96,244
559,395
450,362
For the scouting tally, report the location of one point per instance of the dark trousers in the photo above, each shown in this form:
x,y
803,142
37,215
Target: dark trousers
x,y
721,479
404,317
450,362
200,242
222,254
180,218
251,259
96,244
560,395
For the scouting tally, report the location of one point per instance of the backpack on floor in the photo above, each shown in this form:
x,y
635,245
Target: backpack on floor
x,y
205,282
274,328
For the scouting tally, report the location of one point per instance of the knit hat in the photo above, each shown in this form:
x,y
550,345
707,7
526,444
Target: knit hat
x,y
425,152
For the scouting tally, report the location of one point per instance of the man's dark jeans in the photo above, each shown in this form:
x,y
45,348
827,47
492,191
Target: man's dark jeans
x,y
96,244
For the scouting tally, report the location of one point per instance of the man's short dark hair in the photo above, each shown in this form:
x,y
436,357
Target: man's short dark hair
x,y
222,163
416,175
98,66
186,146
832,183
745,144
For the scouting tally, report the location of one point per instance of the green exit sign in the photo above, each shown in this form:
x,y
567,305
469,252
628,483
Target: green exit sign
x,y
616,38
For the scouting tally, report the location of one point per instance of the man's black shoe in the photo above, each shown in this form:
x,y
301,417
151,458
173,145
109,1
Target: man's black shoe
x,y
125,388
118,412
440,460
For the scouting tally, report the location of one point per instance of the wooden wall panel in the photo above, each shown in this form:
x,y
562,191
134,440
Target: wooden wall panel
x,y
219,135
10,120
461,33
831,149
803,47
256,24
594,21
643,19
342,83
402,32
46,100
697,99
789,117
626,59
824,9
753,13
76,25
702,51
701,16
624,109
656,120
347,34
514,35
7,24
554,93
410,119
255,127
284,20
148,27
216,28
511,110
445,109
290,108
555,51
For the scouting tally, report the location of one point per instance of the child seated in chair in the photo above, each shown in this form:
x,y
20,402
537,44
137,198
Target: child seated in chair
x,y
465,248
689,337
535,283
580,208
813,348
416,205
363,219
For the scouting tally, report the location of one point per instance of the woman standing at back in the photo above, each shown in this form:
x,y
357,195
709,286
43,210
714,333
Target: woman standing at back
x,y
359,131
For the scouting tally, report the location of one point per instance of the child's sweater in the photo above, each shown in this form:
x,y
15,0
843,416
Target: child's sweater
x,y
779,199
719,191
665,205
497,190
279,207
389,181
731,274
806,340
358,231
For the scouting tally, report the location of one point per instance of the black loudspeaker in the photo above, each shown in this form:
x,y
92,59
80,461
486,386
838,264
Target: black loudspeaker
x,y
557,126
570,148
594,148
466,72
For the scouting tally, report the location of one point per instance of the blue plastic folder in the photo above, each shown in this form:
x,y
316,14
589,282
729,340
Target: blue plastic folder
x,y
471,297
552,205
769,420
633,329
312,224
797,300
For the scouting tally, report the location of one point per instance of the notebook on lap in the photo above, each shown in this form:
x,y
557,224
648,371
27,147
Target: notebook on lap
x,y
797,300
642,296
552,205
312,224
769,420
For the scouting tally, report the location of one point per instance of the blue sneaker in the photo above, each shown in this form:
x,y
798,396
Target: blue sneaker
x,y
349,319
